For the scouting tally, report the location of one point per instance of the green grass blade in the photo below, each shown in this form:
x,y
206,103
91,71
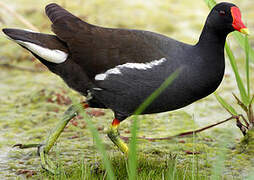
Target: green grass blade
x,y
227,106
239,81
251,175
100,147
210,3
247,65
242,42
132,159
157,92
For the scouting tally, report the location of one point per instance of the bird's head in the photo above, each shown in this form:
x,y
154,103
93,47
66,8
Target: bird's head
x,y
226,17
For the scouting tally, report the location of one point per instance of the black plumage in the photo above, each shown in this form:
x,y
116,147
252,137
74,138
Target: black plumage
x,y
93,50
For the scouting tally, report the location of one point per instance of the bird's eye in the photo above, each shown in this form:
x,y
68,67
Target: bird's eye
x,y
222,13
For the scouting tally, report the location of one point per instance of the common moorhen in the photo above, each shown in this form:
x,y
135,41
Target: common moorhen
x,y
119,68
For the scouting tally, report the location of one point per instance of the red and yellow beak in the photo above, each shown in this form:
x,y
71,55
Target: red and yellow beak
x,y
237,21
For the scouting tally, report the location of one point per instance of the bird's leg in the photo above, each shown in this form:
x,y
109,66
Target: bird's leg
x,y
114,135
43,149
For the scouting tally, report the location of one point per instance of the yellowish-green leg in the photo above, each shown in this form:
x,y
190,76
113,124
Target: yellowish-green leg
x,y
43,149
114,135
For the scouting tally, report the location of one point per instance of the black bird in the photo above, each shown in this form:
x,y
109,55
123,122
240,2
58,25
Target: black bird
x,y
119,68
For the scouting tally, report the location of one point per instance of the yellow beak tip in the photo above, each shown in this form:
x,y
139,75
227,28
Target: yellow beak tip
x,y
245,31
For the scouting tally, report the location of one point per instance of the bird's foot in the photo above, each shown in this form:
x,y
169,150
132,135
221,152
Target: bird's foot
x,y
46,163
43,149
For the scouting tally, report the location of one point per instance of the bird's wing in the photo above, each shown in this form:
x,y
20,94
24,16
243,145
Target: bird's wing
x,y
97,49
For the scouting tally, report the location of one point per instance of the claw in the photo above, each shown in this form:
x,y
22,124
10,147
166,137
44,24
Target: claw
x,y
38,149
17,145
25,146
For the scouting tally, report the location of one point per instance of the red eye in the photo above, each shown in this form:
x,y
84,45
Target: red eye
x,y
222,13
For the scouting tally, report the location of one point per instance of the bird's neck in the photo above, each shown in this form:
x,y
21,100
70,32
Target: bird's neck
x,y
212,39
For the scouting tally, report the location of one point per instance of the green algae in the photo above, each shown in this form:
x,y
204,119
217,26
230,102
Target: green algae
x,y
246,145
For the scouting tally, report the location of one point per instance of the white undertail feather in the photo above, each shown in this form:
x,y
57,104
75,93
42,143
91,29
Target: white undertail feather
x,y
30,30
51,55
139,66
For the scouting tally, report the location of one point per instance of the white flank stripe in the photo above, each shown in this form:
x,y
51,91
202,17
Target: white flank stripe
x,y
140,66
100,77
97,89
54,56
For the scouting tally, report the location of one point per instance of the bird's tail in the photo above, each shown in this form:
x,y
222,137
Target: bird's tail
x,y
47,48
53,53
